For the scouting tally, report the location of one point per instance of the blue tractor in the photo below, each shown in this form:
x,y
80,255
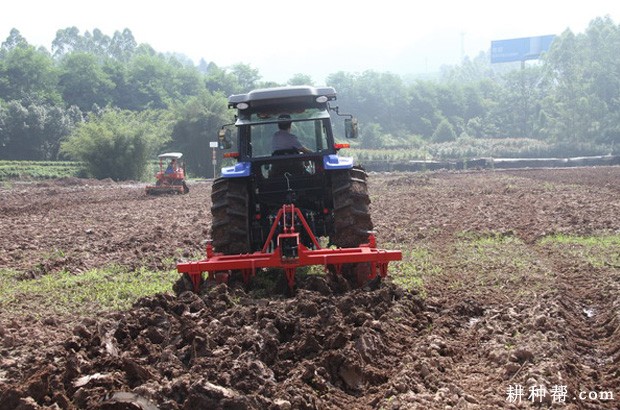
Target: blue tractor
x,y
277,203
329,190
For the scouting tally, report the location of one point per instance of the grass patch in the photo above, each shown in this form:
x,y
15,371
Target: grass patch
x,y
497,261
598,251
409,273
104,289
7,277
589,241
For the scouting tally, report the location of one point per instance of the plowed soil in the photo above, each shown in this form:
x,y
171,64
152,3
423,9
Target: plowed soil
x,y
500,304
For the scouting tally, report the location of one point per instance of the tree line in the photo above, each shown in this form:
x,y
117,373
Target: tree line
x,y
108,100
571,97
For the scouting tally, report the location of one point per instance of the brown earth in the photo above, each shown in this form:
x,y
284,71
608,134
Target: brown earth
x,y
488,318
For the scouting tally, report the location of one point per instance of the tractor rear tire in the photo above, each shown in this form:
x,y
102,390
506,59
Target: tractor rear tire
x,y
230,230
352,222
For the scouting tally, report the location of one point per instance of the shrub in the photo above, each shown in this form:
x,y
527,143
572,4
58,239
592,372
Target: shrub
x,y
118,144
444,132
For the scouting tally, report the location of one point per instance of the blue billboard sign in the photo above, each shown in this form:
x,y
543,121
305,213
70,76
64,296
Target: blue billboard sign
x,y
519,49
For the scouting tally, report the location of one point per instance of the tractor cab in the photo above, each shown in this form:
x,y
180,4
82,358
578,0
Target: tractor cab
x,y
261,121
170,178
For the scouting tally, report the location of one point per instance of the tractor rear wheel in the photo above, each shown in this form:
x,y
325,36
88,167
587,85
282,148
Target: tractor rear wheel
x,y
352,222
230,229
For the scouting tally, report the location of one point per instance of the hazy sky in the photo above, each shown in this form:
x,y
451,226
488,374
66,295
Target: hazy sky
x,y
281,38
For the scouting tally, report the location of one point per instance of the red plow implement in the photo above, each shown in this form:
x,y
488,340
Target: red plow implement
x,y
289,253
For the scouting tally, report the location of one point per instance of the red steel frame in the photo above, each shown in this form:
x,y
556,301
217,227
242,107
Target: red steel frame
x,y
250,262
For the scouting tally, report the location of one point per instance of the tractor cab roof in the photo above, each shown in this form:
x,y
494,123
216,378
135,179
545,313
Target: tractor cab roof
x,y
170,155
294,95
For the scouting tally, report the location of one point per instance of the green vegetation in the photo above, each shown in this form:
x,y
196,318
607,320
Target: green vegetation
x,y
482,260
417,263
604,241
497,260
118,144
388,155
468,147
598,251
105,289
564,105
40,169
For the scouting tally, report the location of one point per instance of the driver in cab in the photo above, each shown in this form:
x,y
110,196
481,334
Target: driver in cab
x,y
283,141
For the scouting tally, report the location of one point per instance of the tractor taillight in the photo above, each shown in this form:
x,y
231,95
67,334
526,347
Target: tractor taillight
x,y
231,155
341,146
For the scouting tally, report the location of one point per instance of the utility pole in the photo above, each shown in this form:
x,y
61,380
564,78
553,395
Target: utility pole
x,y
213,145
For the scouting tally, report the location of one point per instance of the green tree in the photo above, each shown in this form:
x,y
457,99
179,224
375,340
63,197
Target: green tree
x,y
34,131
601,48
424,115
121,46
147,78
14,40
66,41
444,132
118,144
246,76
198,122
566,109
300,79
451,104
239,78
84,82
374,97
516,111
153,81
27,73
186,80
371,136
219,80
470,71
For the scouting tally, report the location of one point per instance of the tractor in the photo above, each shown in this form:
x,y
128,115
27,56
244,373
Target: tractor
x,y
169,180
286,208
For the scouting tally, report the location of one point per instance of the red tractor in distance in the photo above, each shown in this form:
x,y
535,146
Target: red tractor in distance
x,y
170,180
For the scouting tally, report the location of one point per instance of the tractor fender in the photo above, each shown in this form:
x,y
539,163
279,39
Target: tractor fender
x,y
240,169
333,161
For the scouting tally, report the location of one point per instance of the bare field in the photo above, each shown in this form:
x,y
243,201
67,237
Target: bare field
x,y
507,297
